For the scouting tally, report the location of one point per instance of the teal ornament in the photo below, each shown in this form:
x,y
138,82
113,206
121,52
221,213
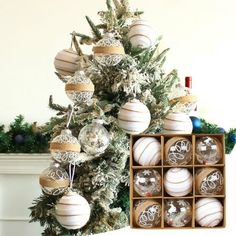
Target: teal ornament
x,y
196,122
232,138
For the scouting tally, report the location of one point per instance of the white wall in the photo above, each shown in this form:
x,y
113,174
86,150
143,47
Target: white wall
x,y
201,35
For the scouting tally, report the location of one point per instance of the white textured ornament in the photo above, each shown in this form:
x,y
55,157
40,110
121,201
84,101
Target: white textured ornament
x,y
134,117
177,123
209,212
147,151
72,211
178,182
141,34
66,62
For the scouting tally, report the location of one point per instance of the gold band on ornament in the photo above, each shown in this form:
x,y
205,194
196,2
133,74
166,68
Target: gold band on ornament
x,y
184,99
48,182
65,147
109,50
80,87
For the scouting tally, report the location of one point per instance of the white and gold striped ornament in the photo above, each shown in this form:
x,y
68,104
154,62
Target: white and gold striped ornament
x,y
72,211
134,117
66,62
178,182
208,212
147,151
141,34
177,123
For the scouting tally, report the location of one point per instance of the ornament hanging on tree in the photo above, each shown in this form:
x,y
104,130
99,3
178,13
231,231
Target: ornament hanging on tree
x,y
232,138
209,212
66,62
177,123
209,181
65,147
79,88
178,213
72,211
94,138
208,150
147,151
54,180
134,117
197,124
147,213
147,183
19,139
141,34
178,151
108,51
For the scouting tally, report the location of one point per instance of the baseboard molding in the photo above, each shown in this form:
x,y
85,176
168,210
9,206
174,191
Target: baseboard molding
x,y
26,164
15,219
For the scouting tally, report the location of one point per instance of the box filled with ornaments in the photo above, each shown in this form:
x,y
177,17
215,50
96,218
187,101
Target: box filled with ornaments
x,y
177,181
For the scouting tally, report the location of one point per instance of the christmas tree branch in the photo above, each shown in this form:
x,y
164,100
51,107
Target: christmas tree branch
x,y
96,32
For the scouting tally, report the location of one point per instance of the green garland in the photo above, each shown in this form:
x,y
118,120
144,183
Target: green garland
x,y
23,137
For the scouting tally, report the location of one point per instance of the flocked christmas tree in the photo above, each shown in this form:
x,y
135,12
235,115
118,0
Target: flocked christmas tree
x,y
120,89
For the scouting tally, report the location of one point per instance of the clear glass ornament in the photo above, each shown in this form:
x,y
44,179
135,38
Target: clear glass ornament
x,y
94,138
83,89
178,151
108,58
65,154
147,213
212,184
208,150
54,180
178,213
147,183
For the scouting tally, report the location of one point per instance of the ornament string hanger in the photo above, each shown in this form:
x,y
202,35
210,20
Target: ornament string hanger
x,y
71,174
69,116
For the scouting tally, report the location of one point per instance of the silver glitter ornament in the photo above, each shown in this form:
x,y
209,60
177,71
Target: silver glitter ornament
x,y
147,183
94,138
178,213
79,88
54,180
208,150
108,51
65,147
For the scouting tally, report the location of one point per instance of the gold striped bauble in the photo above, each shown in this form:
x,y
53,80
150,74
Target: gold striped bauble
x,y
72,211
177,123
178,182
134,117
141,34
66,62
209,212
147,151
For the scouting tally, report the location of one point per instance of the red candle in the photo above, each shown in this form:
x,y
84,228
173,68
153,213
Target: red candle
x,y
188,82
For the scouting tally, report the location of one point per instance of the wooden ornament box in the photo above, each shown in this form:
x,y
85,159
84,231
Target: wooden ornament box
x,y
162,167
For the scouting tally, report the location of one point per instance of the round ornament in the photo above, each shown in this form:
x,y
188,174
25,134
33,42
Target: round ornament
x,y
208,212
209,181
19,139
147,213
108,51
79,88
178,182
141,34
147,183
72,211
208,150
54,180
66,62
178,213
94,138
134,117
178,151
232,138
65,147
177,123
147,151
196,122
